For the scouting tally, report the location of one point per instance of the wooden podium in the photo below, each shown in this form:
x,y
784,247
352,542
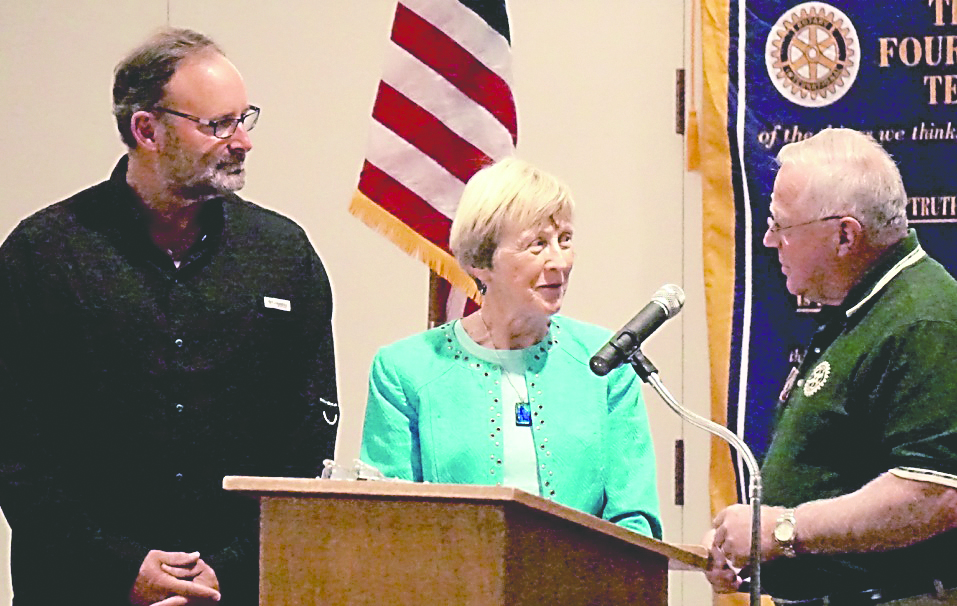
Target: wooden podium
x,y
347,542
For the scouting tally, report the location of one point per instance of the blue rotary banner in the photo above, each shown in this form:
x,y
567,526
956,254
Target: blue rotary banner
x,y
889,69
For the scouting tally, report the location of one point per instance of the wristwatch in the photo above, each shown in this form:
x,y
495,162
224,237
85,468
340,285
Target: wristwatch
x,y
785,532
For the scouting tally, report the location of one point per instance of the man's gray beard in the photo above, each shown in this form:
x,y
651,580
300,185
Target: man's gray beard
x,y
212,183
227,182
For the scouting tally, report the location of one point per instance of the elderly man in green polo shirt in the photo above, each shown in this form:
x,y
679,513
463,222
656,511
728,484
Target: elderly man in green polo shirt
x,y
860,478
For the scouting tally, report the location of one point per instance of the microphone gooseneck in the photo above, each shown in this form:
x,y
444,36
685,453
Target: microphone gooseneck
x,y
649,374
625,346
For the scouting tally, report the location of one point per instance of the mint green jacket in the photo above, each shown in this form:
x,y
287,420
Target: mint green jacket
x,y
433,415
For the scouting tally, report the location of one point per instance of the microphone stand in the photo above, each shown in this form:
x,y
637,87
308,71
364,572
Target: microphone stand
x,y
649,374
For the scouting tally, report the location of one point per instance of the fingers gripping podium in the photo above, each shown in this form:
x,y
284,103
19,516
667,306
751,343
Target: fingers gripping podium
x,y
338,542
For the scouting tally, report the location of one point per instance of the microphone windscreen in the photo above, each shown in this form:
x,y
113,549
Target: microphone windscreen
x,y
671,298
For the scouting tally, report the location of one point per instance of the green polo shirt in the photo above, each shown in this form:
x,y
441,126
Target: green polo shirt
x,y
876,391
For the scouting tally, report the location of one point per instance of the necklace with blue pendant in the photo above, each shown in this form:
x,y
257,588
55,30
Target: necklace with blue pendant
x,y
523,410
523,414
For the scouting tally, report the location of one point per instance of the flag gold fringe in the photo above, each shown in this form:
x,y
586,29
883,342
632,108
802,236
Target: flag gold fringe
x,y
718,245
410,241
694,153
693,143
718,236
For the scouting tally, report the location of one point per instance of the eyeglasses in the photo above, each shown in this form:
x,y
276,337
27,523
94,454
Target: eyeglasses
x,y
775,228
222,129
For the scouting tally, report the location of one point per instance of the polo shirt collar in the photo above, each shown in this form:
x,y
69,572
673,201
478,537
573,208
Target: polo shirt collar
x,y
905,253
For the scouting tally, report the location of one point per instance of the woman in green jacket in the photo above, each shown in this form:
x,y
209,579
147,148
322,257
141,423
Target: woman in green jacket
x,y
505,395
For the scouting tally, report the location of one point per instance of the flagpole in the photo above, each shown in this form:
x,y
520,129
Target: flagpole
x,y
436,313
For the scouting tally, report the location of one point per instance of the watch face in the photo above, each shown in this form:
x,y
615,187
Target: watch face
x,y
784,531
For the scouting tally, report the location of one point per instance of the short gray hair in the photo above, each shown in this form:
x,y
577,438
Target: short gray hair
x,y
139,80
510,191
851,174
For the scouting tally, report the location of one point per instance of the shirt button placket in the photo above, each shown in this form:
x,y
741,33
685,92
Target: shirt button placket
x,y
546,477
495,435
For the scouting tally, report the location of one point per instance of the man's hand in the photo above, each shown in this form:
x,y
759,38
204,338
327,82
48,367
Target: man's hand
x,y
174,579
732,533
723,578
729,545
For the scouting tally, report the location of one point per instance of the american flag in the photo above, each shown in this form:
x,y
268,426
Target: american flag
x,y
444,109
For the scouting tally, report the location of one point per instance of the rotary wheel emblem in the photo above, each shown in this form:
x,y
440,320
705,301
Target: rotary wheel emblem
x,y
810,54
817,379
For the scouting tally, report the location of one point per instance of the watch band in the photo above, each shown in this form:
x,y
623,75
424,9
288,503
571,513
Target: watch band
x,y
785,532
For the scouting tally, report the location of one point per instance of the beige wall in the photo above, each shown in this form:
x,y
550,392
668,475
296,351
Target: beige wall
x,y
594,83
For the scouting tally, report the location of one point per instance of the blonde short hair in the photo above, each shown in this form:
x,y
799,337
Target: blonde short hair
x,y
511,191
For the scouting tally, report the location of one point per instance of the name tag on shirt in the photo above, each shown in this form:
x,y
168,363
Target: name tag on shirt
x,y
280,304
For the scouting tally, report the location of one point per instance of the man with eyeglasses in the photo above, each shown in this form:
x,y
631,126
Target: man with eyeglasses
x,y
860,479
157,332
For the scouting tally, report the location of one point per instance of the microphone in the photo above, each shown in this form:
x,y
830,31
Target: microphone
x,y
624,346
666,303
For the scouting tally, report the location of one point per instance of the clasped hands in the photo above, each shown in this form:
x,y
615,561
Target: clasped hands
x,y
174,578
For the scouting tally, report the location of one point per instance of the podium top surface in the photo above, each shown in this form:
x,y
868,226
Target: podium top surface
x,y
680,557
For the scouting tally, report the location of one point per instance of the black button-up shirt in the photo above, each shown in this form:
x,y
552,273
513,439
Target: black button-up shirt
x,y
129,388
